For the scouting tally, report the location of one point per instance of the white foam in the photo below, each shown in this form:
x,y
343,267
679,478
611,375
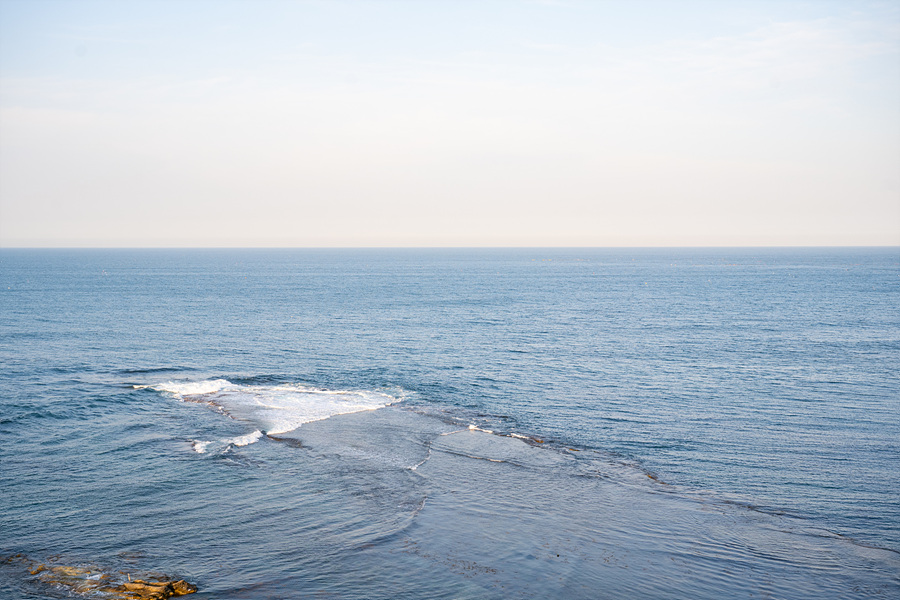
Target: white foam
x,y
423,461
246,440
192,388
201,446
275,409
476,428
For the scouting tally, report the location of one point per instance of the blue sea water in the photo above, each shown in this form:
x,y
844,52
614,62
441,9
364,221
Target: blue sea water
x,y
469,423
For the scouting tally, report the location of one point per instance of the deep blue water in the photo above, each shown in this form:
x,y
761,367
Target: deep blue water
x,y
563,423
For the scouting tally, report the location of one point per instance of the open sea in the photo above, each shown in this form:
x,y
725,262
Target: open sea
x,y
453,423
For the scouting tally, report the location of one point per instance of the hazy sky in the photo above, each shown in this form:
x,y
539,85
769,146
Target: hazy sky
x,y
417,123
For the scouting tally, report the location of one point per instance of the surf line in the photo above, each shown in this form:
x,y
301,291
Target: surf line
x,y
200,446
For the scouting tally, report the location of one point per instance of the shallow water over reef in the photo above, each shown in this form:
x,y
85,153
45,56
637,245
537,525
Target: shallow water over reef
x,y
454,424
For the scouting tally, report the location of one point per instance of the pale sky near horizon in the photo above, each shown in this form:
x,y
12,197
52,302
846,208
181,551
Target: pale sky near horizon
x,y
458,123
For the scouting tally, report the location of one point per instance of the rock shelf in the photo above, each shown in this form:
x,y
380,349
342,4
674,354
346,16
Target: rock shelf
x,y
98,583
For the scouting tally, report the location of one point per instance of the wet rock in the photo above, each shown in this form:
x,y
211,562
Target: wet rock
x,y
155,590
93,582
183,588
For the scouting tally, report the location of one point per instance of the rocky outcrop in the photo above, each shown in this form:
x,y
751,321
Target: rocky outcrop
x,y
92,581
153,590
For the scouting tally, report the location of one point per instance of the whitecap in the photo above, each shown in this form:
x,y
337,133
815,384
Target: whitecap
x,y
200,447
246,440
275,409
476,428
192,388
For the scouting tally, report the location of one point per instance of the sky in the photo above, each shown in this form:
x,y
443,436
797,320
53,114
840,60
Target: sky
x,y
458,123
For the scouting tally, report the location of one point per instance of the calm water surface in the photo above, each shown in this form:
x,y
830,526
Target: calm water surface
x,y
564,423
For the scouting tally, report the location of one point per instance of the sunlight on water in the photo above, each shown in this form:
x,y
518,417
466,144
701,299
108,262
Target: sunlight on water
x,y
454,424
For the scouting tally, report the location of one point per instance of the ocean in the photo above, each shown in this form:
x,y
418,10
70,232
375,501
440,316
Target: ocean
x,y
452,423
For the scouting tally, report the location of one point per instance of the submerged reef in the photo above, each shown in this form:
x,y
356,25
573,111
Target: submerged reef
x,y
95,582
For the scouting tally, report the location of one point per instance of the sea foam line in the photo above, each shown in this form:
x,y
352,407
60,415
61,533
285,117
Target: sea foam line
x,y
274,409
200,446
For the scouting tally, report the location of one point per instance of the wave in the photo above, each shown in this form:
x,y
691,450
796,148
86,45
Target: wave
x,y
273,409
191,388
200,446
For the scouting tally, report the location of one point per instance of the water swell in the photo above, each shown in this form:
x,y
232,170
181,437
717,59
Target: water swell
x,y
363,451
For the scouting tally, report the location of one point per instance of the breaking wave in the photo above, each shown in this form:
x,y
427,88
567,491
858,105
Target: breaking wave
x,y
272,409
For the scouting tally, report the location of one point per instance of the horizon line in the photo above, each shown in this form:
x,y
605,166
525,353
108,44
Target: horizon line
x,y
612,247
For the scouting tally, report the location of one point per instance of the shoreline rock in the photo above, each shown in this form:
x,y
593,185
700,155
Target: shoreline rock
x,y
95,582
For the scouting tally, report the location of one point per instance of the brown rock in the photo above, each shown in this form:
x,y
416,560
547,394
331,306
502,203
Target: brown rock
x,y
90,580
183,588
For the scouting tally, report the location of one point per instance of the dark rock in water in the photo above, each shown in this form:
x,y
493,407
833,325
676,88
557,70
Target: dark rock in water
x,y
183,588
154,590
91,581
290,441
